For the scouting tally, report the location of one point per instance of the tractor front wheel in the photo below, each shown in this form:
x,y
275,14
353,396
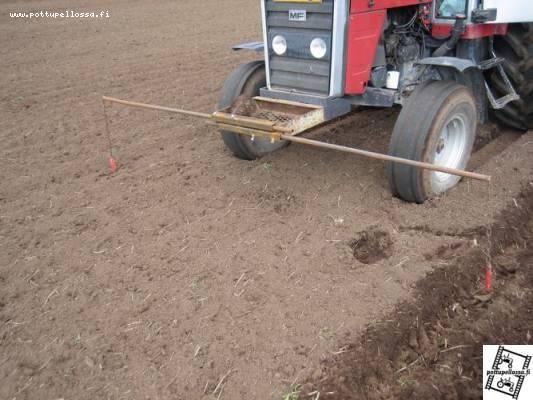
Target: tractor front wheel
x,y
437,125
246,81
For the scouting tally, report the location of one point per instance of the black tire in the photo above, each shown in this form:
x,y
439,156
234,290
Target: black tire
x,y
517,49
246,80
436,125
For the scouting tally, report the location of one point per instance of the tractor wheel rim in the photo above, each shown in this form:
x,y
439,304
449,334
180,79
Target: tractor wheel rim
x,y
450,149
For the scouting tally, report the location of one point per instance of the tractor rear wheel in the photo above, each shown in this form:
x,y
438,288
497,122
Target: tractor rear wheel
x,y
517,49
437,125
246,81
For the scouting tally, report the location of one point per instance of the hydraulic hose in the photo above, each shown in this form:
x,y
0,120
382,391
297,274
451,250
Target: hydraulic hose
x,y
457,31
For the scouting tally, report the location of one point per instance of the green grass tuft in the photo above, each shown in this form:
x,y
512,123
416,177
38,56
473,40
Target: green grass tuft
x,y
294,394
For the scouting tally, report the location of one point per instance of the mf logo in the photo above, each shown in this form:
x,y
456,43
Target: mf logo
x,y
297,15
507,372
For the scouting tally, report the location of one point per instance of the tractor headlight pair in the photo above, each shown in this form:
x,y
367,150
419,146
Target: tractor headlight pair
x,y
318,46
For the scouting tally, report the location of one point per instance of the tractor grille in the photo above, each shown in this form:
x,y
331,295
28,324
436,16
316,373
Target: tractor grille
x,y
297,69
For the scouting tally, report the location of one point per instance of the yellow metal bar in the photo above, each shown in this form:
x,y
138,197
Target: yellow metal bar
x,y
242,130
248,122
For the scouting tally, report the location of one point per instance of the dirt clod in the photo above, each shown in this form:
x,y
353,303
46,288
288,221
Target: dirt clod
x,y
244,106
372,245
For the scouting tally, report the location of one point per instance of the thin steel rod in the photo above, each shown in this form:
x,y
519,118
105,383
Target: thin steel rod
x,y
384,157
159,108
107,131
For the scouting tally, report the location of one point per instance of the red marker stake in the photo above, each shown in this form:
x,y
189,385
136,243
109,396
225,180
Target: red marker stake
x,y
112,164
488,278
112,161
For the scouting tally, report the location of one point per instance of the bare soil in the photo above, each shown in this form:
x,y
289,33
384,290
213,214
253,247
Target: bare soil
x,y
189,274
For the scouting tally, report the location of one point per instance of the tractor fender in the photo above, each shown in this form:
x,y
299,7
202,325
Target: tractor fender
x,y
459,64
465,72
258,47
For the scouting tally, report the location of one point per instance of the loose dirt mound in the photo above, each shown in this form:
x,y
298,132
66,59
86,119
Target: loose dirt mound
x,y
432,348
372,246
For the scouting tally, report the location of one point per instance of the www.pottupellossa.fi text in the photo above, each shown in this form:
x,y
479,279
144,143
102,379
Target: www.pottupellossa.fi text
x,y
62,14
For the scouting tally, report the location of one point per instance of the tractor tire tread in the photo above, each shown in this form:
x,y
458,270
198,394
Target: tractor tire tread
x,y
517,48
232,89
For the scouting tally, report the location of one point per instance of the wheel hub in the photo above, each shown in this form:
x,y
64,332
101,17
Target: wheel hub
x,y
440,145
450,147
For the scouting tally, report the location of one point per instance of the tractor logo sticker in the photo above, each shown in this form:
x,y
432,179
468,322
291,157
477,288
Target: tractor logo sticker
x,y
298,15
507,373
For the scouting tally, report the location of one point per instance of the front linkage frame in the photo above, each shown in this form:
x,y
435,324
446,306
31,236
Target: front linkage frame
x,y
285,121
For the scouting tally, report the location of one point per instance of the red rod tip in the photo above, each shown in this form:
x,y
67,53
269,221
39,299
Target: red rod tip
x,y
112,164
488,278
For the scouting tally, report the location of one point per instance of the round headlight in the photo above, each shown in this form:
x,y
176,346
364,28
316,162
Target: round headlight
x,y
279,45
318,48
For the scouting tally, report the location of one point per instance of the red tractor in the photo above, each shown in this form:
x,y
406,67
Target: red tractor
x,y
450,64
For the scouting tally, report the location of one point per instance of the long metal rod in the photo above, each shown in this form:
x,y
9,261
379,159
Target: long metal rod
x,y
385,157
316,143
214,116
158,108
